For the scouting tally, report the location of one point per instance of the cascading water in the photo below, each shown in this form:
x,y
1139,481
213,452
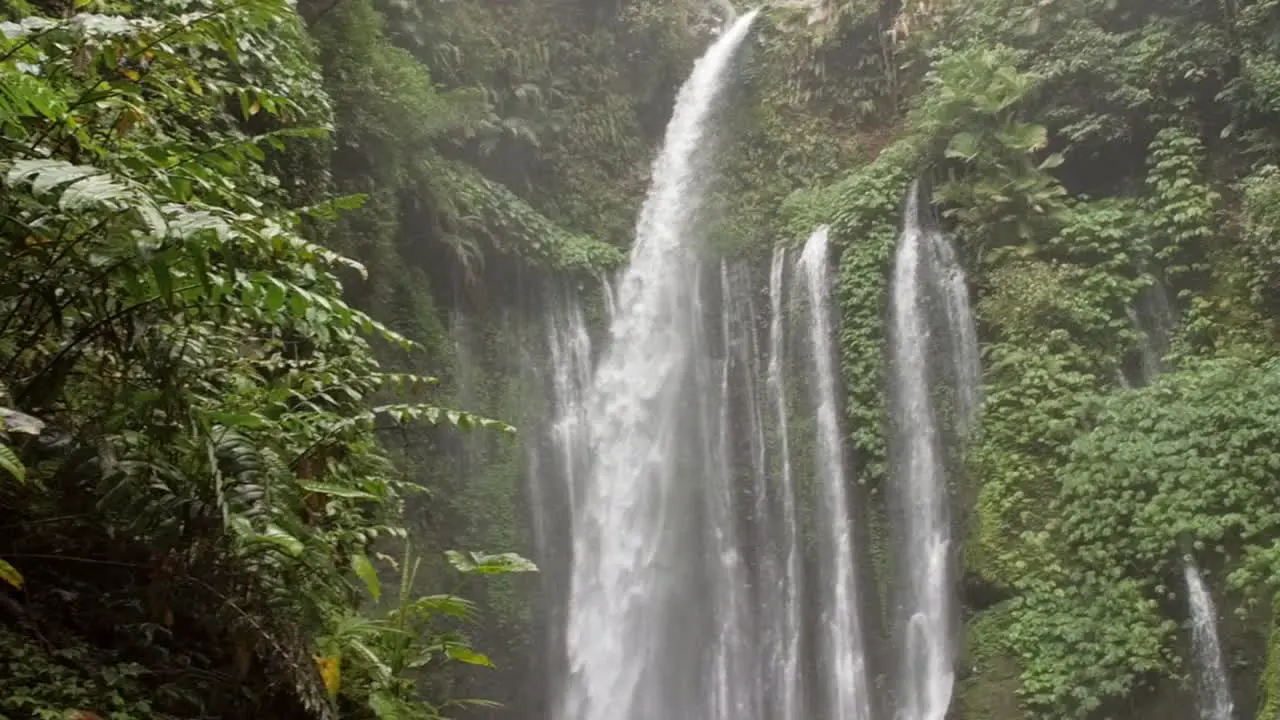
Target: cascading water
x,y
730,644
570,351
781,569
1214,687
848,696
637,625
925,269
1155,319
556,465
947,279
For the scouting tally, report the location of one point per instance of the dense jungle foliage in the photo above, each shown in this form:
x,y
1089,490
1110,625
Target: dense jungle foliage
x,y
236,232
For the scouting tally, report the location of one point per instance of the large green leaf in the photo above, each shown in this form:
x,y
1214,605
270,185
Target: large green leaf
x,y
482,564
964,145
10,574
465,654
364,569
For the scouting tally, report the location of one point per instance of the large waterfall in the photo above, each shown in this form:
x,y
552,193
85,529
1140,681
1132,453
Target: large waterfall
x,y
693,506
637,624
926,273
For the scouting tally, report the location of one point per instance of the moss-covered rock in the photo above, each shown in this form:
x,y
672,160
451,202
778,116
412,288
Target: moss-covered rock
x,y
989,674
1269,683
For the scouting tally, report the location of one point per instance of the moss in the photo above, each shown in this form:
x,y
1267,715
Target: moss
x,y
994,549
881,549
491,209
1269,684
989,672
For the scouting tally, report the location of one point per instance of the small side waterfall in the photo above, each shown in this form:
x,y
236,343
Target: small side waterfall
x,y
848,694
948,281
1155,320
555,470
781,581
926,272
731,685
1212,682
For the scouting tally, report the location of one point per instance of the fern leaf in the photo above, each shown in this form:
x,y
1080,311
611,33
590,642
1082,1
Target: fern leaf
x,y
27,26
432,414
185,222
9,462
87,187
13,421
341,491
448,605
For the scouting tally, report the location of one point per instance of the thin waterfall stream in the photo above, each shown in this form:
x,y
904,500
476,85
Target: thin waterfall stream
x,y
1154,319
782,673
1213,684
926,271
848,693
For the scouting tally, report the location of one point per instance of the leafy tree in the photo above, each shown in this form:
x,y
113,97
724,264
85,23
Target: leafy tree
x,y
187,393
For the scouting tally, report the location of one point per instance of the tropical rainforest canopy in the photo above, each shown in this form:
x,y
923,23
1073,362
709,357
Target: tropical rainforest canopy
x,y
265,263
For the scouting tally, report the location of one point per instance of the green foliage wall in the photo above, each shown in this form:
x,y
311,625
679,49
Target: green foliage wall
x,y
1086,154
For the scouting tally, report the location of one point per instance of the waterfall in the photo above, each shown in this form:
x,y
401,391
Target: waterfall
x,y
848,695
948,281
768,594
1155,319
570,351
925,269
556,464
1214,688
730,648
638,625
781,569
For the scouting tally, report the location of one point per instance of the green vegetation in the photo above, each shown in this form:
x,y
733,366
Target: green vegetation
x,y
1083,152
235,232
194,473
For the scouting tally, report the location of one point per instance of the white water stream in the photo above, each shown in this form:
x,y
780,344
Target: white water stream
x,y
636,632
848,694
926,272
